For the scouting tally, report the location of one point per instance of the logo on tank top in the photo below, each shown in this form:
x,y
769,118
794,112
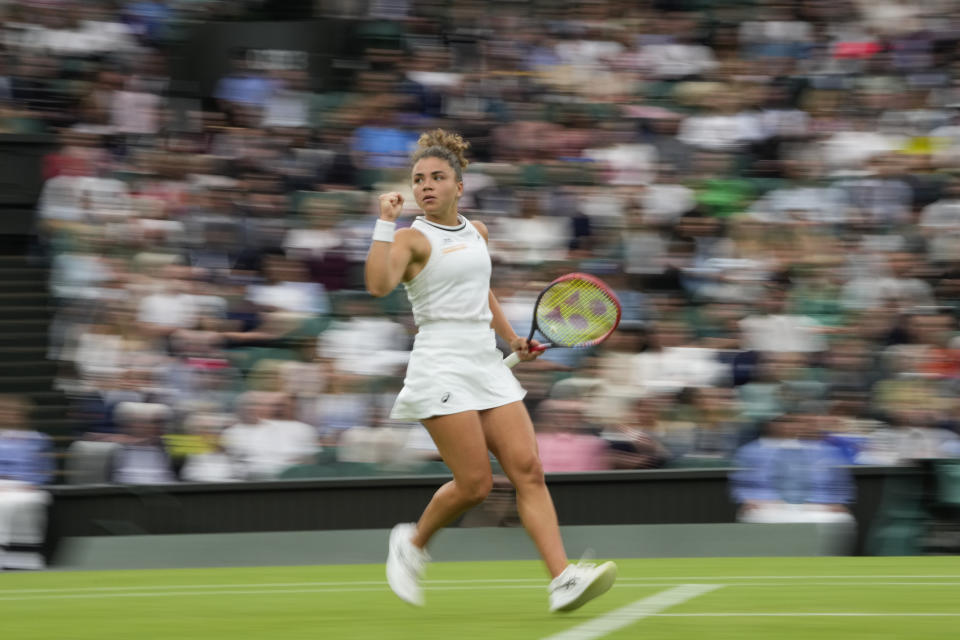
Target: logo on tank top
x,y
449,245
445,397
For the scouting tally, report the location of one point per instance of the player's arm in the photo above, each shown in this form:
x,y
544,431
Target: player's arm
x,y
390,254
500,323
388,261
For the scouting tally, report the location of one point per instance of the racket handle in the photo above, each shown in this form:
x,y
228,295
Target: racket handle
x,y
512,359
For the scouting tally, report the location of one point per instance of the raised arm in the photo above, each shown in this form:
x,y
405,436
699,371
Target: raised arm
x,y
391,254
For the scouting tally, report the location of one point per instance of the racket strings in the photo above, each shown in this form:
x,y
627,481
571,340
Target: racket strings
x,y
577,313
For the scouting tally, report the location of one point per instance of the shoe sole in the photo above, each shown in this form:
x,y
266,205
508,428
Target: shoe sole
x,y
602,584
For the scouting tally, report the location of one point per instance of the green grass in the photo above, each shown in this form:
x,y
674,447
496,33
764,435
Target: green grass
x,y
489,600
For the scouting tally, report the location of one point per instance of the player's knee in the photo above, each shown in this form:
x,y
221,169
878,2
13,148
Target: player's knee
x,y
528,471
475,490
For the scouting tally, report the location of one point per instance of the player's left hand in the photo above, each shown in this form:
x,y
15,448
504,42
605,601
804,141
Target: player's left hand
x,y
526,351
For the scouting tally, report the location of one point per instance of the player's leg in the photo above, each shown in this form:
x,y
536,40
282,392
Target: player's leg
x,y
510,436
460,441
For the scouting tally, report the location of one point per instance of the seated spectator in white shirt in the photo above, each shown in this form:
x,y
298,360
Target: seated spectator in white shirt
x,y
900,285
913,407
287,288
532,238
135,110
288,105
672,362
774,330
269,439
940,224
676,60
804,200
363,341
170,306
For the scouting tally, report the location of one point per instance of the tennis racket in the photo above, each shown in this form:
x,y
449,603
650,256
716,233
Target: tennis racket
x,y
575,310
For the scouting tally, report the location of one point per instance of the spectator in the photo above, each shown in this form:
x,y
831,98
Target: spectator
x,y
565,443
363,341
26,465
773,329
940,223
269,439
790,475
142,457
243,88
705,428
213,463
914,411
635,443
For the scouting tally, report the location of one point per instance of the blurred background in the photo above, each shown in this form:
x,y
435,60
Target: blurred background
x,y
771,186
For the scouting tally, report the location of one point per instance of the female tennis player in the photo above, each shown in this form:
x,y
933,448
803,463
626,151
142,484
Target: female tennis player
x,y
456,382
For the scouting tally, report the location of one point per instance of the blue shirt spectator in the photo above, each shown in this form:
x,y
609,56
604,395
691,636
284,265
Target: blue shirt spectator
x,y
25,456
245,88
784,468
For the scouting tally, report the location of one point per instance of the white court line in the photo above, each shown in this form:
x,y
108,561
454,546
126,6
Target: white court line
x,y
810,577
375,585
192,594
653,581
830,614
242,592
73,595
257,585
865,576
381,586
624,616
68,594
869,583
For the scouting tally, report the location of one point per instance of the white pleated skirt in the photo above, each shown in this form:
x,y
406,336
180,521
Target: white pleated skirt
x,y
454,367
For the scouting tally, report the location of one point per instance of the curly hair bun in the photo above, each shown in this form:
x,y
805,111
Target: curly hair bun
x,y
452,142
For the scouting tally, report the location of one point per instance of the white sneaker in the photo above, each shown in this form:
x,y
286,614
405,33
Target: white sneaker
x,y
405,564
579,584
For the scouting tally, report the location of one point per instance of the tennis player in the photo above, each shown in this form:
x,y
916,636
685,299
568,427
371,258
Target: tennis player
x,y
456,383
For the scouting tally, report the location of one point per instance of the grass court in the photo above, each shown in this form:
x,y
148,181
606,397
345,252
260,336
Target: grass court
x,y
746,599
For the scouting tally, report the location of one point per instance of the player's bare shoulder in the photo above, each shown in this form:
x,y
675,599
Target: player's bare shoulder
x,y
482,228
416,241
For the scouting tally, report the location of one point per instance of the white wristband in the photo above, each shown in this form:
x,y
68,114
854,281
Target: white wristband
x,y
383,231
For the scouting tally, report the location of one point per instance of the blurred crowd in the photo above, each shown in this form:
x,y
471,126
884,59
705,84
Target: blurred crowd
x,y
770,186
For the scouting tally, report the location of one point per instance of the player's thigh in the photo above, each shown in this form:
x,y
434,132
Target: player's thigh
x,y
510,436
460,440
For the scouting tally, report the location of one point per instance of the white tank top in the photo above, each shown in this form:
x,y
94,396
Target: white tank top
x,y
454,285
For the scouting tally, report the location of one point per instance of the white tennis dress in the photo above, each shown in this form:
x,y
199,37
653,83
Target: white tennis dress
x,y
455,364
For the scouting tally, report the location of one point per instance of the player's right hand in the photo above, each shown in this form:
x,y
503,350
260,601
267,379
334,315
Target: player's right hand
x,y
526,350
391,204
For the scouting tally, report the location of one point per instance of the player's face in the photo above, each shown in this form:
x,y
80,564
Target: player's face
x,y
435,186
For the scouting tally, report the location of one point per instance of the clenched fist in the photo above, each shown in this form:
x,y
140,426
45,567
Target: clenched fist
x,y
391,204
